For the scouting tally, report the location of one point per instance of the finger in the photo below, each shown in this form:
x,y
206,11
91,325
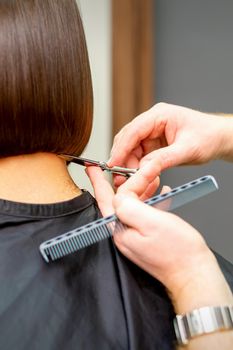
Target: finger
x,y
103,191
168,157
165,189
118,180
151,189
133,163
150,145
164,205
148,125
128,242
139,182
137,214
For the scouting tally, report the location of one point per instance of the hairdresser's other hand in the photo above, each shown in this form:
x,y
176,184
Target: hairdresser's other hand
x,y
173,252
164,245
147,185
170,250
171,135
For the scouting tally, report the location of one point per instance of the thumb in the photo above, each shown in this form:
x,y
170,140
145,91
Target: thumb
x,y
167,157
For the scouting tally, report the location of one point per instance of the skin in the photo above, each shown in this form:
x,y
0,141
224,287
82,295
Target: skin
x,y
196,281
160,138
188,269
52,183
36,178
168,135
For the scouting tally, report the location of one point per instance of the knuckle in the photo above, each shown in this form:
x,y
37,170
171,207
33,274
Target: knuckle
x,y
116,137
161,105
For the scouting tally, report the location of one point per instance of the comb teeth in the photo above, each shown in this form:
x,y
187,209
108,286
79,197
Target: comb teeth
x,y
98,230
78,238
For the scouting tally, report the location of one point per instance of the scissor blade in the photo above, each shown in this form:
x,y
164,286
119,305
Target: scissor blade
x,y
81,160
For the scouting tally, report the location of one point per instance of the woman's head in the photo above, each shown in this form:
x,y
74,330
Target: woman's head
x,y
45,83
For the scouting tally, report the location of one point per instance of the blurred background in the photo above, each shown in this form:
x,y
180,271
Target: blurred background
x,y
146,51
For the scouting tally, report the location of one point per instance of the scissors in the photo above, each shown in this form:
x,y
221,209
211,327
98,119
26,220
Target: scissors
x,y
127,172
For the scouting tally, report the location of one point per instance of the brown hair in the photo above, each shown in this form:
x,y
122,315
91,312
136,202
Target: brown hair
x,y
45,82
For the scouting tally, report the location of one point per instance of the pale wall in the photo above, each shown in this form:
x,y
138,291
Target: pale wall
x,y
96,17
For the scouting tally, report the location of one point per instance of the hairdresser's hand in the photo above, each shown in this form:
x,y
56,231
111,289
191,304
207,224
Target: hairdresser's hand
x,y
165,246
173,252
168,135
176,254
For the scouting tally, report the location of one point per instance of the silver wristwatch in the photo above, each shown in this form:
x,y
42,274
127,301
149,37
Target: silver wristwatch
x,y
202,321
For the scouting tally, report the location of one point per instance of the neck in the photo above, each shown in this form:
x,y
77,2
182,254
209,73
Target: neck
x,y
36,178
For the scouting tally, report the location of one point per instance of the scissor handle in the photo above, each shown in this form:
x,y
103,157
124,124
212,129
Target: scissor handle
x,y
127,172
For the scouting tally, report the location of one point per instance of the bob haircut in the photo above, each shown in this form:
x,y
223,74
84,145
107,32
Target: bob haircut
x,y
46,100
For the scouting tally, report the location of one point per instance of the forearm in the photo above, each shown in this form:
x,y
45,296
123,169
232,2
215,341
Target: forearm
x,y
188,269
221,339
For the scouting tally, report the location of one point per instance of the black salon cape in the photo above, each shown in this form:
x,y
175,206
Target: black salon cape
x,y
92,299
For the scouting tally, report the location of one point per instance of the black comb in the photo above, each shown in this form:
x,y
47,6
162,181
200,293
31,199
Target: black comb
x,y
98,230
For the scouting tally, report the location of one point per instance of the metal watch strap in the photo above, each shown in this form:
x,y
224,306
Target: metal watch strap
x,y
202,321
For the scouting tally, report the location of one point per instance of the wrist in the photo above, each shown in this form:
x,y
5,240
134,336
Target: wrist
x,y
202,285
205,321
226,143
